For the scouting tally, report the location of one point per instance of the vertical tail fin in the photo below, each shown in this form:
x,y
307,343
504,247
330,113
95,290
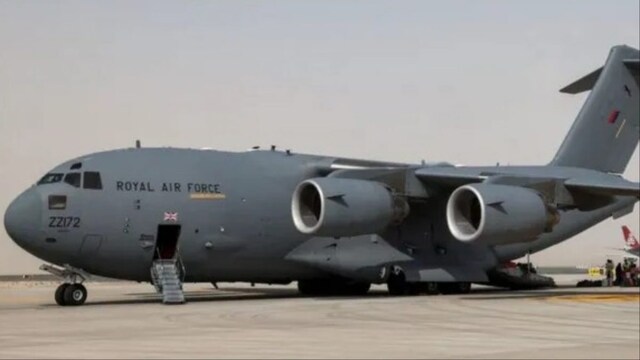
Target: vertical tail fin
x,y
607,129
629,239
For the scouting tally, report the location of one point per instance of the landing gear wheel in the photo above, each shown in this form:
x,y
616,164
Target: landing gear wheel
x,y
75,294
59,295
464,287
448,288
358,289
413,289
313,287
431,288
332,287
455,288
397,284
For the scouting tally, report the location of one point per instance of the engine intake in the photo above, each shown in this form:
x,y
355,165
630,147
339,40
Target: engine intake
x,y
498,214
345,207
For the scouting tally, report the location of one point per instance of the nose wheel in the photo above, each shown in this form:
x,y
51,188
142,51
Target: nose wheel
x,y
71,294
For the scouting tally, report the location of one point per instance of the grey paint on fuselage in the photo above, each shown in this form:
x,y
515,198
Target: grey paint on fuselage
x,y
244,232
251,222
237,220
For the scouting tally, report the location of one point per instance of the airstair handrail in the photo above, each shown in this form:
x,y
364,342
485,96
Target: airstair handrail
x,y
183,270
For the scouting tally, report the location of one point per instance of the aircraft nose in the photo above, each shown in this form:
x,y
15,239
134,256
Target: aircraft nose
x,y
22,219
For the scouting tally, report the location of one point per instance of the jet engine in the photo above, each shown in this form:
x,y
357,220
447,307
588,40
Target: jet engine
x,y
339,207
498,214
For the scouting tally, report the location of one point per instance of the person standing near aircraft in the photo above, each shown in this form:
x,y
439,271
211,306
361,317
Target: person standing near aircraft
x,y
627,272
609,272
633,274
619,275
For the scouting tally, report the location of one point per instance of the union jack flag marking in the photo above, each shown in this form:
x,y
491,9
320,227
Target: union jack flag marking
x,y
170,216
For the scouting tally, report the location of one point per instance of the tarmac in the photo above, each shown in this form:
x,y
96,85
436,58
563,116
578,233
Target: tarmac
x,y
127,320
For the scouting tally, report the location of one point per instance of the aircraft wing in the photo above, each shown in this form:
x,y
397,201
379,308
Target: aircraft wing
x,y
611,186
604,184
450,176
634,252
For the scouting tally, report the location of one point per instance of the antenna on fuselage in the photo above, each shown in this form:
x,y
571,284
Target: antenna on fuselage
x,y
138,144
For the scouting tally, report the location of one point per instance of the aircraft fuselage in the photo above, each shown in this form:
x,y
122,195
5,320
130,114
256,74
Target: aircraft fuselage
x,y
103,213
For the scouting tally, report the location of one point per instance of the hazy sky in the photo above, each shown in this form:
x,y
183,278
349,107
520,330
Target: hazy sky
x,y
471,82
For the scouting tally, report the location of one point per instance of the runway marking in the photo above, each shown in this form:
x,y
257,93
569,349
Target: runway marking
x,y
597,298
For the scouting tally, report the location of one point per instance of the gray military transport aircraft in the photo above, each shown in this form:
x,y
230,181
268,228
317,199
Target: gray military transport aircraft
x,y
334,225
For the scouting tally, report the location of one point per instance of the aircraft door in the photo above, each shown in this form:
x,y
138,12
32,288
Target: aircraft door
x,y
167,242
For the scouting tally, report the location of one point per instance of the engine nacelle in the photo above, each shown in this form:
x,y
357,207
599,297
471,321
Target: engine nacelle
x,y
339,207
498,214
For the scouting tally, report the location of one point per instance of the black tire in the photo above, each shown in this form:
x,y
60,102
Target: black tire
x,y
309,287
357,289
447,288
464,287
414,289
455,288
75,294
431,288
59,295
332,287
397,284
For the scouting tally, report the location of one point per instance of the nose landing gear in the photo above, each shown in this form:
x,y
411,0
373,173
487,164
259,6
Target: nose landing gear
x,y
71,292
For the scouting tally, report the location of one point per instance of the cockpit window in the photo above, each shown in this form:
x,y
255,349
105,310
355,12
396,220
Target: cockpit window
x,y
92,180
50,178
73,179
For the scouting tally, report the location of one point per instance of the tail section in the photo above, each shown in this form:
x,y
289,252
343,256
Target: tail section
x,y
606,131
629,239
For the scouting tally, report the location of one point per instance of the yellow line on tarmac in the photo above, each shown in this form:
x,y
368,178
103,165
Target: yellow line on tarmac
x,y
597,298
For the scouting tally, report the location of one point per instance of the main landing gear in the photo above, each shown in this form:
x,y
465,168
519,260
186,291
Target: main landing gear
x,y
333,287
398,286
71,292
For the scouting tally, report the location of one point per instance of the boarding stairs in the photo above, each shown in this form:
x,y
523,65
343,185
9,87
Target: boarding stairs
x,y
167,275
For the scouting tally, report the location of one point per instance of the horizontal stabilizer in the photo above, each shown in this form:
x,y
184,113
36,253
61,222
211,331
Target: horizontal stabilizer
x,y
613,186
583,84
587,82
